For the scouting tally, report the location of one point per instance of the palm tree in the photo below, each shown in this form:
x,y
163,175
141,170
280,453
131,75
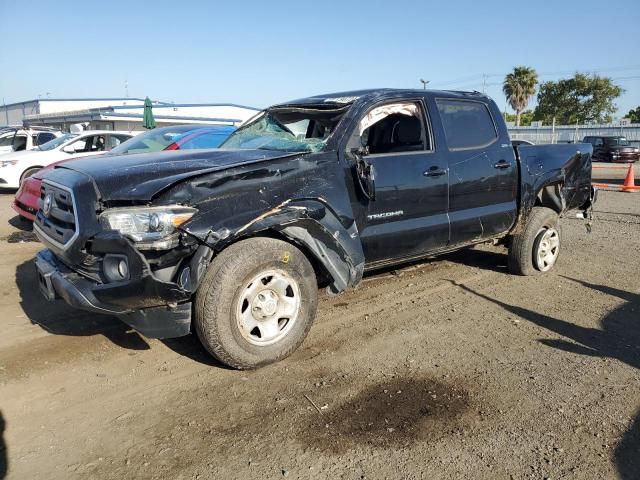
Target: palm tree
x,y
519,86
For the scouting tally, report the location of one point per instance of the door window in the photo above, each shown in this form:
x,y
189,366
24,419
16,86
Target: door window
x,y
7,139
392,128
467,124
20,143
42,138
598,142
115,140
92,143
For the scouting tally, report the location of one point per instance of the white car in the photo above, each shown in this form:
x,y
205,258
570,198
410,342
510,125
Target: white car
x,y
16,139
16,166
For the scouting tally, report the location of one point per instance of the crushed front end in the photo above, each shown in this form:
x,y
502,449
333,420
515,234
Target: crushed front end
x,y
133,262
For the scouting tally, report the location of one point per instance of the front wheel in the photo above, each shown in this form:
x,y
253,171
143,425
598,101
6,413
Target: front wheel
x,y
536,247
256,303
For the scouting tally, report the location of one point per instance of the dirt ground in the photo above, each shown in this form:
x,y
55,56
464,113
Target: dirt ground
x,y
447,369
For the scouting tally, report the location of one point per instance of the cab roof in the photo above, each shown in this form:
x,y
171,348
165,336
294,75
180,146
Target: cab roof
x,y
344,98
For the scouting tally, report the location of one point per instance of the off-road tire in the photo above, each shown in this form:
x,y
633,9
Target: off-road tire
x,y
220,291
522,245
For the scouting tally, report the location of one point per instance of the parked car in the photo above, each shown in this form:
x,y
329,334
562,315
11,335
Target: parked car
x,y
177,137
17,139
311,192
15,167
613,149
182,137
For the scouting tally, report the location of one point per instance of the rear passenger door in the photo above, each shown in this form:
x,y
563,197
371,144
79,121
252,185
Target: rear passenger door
x,y
483,176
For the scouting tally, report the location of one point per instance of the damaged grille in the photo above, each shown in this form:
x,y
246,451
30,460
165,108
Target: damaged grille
x,y
56,219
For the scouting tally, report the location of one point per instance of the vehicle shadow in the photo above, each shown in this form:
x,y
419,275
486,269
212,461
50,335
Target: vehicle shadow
x,y
619,338
4,454
483,259
21,224
60,319
189,346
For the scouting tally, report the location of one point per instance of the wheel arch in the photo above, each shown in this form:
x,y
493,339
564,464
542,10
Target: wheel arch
x,y
551,196
34,167
334,250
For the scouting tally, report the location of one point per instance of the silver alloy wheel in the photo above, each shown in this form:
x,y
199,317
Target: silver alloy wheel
x,y
547,248
268,307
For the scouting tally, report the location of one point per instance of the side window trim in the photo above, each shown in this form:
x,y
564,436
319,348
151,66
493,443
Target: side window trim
x,y
473,147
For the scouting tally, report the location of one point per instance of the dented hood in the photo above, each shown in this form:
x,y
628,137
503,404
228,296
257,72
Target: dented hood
x,y
140,177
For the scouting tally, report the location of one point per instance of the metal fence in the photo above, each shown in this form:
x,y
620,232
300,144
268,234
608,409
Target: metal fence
x,y
574,133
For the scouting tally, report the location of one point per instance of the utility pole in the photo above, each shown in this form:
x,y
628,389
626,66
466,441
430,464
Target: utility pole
x,y
484,83
424,83
126,88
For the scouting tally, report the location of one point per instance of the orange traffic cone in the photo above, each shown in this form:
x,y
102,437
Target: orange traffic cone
x,y
629,181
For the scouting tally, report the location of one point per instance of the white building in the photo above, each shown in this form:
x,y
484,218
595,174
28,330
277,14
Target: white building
x,y
117,113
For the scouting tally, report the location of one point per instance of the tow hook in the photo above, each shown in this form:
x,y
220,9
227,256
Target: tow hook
x,y
587,213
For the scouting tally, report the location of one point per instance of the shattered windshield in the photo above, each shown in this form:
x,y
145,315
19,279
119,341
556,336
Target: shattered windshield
x,y
288,129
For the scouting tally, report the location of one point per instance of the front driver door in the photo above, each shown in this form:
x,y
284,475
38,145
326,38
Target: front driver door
x,y
408,217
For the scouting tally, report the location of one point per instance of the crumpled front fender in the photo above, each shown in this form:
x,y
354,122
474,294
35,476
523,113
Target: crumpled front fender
x,y
316,228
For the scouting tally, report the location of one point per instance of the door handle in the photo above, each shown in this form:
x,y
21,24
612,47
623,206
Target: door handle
x,y
502,164
434,171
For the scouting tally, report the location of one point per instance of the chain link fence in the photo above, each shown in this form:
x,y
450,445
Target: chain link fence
x,y
574,133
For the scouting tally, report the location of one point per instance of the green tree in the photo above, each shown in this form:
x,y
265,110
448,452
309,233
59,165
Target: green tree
x,y
519,86
583,98
634,115
525,118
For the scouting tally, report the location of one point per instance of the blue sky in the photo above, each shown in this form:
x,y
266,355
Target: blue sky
x,y
257,53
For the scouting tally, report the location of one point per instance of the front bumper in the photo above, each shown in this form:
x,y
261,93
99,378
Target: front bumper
x,y
168,319
24,210
27,197
624,157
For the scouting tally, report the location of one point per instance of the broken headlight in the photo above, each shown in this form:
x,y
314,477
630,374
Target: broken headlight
x,y
150,227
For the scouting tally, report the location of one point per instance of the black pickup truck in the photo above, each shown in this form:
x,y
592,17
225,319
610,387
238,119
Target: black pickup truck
x,y
312,192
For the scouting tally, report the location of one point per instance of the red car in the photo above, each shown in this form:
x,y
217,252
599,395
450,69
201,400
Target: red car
x,y
180,137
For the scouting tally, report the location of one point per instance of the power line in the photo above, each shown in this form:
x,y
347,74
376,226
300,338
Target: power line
x,y
478,78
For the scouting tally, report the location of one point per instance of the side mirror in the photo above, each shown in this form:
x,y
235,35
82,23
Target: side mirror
x,y
69,149
366,178
361,151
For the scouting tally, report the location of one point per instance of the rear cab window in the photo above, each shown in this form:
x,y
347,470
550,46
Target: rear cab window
x,y
467,124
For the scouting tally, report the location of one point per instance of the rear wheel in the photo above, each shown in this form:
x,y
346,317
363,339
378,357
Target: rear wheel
x,y
536,248
256,303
